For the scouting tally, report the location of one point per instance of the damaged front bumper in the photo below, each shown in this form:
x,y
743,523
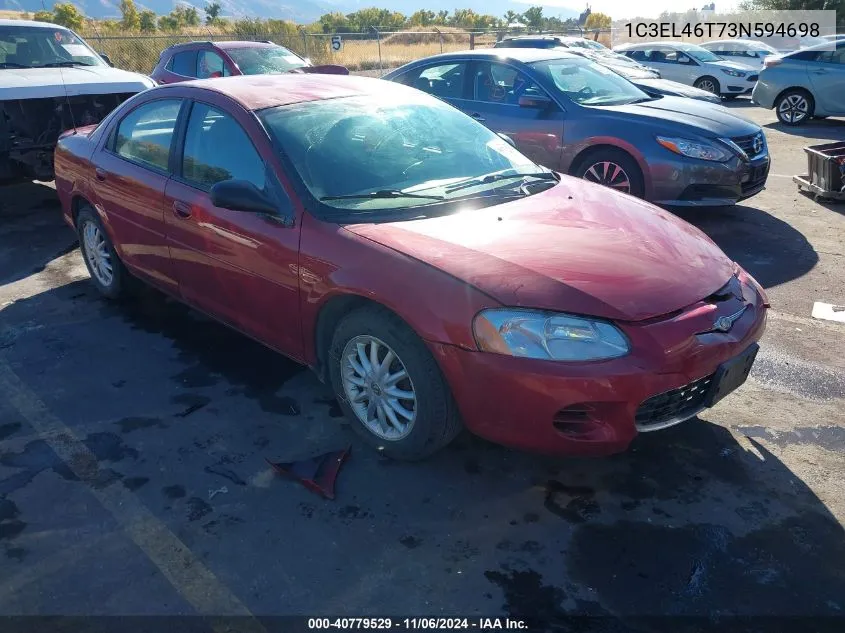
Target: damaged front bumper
x,y
29,129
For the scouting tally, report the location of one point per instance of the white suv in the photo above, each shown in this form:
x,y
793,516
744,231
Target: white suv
x,y
51,81
693,65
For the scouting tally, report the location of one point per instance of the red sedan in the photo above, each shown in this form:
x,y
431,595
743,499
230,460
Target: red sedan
x,y
415,260
211,60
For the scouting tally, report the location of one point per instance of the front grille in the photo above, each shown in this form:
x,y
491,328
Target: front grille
x,y
746,144
673,406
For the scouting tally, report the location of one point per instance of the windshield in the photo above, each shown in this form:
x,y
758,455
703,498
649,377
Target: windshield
x,y
38,47
585,43
588,83
698,53
265,60
394,151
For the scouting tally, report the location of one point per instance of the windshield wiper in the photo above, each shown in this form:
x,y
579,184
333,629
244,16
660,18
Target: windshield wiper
x,y
483,180
13,65
382,193
63,64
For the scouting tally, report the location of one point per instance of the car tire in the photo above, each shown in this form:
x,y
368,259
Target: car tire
x,y
363,394
794,106
598,166
708,84
107,271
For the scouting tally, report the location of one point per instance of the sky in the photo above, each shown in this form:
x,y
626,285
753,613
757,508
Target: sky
x,y
617,9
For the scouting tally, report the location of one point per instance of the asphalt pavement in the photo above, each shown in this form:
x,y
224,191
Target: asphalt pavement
x,y
133,479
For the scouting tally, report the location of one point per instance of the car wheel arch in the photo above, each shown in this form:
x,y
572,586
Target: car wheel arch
x,y
590,149
79,201
330,314
801,89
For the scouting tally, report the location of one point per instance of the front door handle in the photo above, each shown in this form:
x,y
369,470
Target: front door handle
x,y
820,71
181,209
100,174
477,117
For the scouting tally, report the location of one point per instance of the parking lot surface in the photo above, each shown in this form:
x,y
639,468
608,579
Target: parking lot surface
x,y
133,479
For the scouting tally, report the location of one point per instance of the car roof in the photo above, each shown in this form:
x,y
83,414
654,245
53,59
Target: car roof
x,y
738,41
222,45
43,25
652,44
525,55
256,92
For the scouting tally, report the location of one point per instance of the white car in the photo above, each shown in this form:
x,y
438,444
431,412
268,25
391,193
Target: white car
x,y
748,52
51,81
695,66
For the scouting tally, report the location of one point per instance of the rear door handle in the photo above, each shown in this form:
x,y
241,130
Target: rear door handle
x,y
477,116
181,209
100,174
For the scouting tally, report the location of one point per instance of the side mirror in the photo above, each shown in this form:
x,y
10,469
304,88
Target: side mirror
x,y
540,102
683,59
240,195
506,138
106,59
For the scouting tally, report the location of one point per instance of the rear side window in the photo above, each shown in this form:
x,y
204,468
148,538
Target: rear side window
x,y
217,148
444,81
145,134
185,64
210,64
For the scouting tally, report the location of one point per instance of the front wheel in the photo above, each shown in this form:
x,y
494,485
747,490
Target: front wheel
x,y
390,386
794,107
710,84
612,168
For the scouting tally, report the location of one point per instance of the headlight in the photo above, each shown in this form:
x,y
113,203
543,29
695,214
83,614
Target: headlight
x,y
547,335
694,149
733,73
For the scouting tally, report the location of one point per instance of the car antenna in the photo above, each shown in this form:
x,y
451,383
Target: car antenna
x,y
67,99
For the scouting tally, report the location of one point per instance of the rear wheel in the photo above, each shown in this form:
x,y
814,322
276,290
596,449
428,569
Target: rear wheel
x,y
793,107
710,84
107,271
612,168
390,386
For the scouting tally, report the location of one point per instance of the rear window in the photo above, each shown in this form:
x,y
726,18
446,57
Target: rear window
x,y
184,64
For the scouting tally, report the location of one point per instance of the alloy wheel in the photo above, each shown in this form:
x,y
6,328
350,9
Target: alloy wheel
x,y
378,387
609,174
794,108
97,253
709,85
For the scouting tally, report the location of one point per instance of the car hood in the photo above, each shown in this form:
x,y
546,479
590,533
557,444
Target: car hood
x,y
38,83
710,119
631,73
577,247
668,87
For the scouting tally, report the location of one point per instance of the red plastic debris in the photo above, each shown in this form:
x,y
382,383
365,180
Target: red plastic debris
x,y
318,473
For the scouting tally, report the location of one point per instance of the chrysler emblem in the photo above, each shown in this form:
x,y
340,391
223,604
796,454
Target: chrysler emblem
x,y
725,323
758,144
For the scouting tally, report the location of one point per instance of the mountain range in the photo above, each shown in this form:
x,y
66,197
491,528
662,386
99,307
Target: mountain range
x,y
302,11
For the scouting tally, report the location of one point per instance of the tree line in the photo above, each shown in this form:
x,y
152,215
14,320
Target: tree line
x,y
185,17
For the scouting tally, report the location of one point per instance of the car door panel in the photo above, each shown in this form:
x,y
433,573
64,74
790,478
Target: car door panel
x,y
130,192
238,266
827,77
537,132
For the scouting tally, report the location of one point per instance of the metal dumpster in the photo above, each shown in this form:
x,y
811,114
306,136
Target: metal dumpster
x,y
825,176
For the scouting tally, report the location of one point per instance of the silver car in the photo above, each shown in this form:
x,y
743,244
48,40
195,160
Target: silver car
x,y
806,84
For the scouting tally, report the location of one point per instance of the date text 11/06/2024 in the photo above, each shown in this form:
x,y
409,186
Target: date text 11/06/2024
x,y
410,624
673,30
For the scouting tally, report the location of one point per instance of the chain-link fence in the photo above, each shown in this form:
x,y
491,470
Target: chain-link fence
x,y
376,50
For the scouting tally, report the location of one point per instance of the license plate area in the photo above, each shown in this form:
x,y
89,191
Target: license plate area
x,y
731,375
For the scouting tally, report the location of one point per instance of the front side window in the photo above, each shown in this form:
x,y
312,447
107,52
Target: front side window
x,y
373,154
833,57
265,60
444,80
38,47
590,84
210,64
217,148
500,83
144,135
